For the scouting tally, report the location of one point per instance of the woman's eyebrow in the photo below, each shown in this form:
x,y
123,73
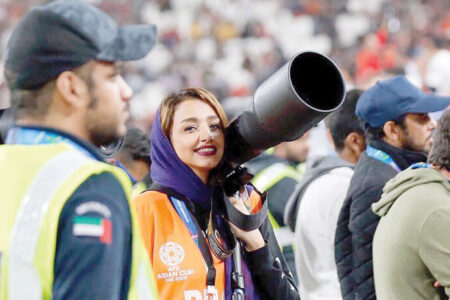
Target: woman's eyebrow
x,y
194,119
212,117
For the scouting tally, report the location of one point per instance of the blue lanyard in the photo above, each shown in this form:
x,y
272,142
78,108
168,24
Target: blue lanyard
x,y
184,214
420,165
383,157
31,136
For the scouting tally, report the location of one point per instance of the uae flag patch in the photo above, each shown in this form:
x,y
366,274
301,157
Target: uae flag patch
x,y
93,227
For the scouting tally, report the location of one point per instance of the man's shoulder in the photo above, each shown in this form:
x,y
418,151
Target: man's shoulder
x,y
371,174
104,183
416,195
103,189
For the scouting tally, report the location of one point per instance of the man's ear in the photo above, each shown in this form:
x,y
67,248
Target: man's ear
x,y
356,143
72,90
392,133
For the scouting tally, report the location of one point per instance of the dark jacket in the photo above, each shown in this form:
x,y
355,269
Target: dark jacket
x,y
357,223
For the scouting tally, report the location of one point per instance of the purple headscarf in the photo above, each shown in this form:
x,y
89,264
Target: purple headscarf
x,y
169,171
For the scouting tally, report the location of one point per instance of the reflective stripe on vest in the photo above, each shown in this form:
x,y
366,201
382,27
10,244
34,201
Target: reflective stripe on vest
x,y
27,227
269,176
143,288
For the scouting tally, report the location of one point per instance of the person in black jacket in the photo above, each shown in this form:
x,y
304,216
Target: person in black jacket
x,y
398,130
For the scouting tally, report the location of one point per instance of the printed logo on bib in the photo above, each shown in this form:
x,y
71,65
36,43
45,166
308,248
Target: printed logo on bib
x,y
172,254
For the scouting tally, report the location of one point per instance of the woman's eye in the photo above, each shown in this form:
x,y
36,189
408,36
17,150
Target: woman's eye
x,y
215,126
190,128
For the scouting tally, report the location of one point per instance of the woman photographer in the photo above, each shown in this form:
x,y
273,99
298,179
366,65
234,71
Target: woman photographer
x,y
187,145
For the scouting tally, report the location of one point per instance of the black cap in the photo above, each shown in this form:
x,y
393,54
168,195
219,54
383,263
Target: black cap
x,y
66,34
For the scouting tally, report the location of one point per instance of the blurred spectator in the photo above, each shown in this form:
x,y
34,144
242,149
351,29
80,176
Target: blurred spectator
x,y
411,244
437,72
134,155
295,152
398,132
313,208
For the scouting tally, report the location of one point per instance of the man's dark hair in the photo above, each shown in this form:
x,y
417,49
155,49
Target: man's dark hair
x,y
440,151
32,103
376,133
343,121
36,103
136,146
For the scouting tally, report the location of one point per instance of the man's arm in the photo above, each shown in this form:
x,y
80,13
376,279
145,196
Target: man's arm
x,y
93,251
434,246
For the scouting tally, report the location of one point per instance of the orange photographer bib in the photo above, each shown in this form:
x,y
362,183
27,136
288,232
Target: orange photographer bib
x,y
179,267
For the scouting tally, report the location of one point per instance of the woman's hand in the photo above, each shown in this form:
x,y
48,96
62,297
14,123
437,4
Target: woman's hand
x,y
253,239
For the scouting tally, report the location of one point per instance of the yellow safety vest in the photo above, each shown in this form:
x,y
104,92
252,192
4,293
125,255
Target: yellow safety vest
x,y
263,181
138,188
35,183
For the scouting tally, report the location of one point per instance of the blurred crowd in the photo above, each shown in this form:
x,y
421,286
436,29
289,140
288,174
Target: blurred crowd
x,y
349,173
231,46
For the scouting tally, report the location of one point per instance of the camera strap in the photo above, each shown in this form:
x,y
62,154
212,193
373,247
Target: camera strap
x,y
188,218
243,221
220,237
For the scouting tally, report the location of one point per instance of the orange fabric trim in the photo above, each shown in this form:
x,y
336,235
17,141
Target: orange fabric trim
x,y
255,202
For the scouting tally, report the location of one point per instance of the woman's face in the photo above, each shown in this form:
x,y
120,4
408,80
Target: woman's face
x,y
197,136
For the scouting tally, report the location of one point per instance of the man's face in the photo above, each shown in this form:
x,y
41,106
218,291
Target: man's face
x,y
298,149
108,111
417,135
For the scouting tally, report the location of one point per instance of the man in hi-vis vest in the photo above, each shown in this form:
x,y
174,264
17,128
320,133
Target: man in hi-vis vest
x,y
66,227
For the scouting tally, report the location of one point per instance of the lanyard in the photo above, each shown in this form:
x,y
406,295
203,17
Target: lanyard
x,y
383,157
420,165
31,136
194,229
184,214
